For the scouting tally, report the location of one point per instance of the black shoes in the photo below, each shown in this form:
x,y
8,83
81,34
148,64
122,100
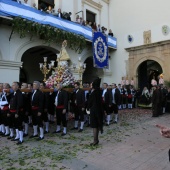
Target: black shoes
x,y
15,139
63,134
19,142
80,130
10,137
34,136
74,128
59,131
94,143
40,138
45,132
25,135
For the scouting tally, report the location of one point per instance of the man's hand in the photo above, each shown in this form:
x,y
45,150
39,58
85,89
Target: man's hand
x,y
64,111
39,113
8,115
83,109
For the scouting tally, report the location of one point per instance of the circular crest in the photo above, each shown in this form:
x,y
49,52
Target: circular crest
x,y
165,29
100,49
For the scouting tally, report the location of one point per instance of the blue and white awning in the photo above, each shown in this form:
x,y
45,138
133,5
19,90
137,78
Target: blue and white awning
x,y
13,9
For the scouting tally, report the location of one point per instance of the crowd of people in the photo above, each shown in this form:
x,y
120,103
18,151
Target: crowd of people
x,y
39,106
67,15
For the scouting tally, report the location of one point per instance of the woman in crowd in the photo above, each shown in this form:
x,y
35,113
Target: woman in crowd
x,y
96,110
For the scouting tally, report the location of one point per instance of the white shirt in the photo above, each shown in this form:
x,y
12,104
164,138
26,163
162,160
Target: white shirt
x,y
33,94
56,99
113,94
104,91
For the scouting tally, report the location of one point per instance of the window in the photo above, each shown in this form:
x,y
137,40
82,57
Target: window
x,y
90,16
45,3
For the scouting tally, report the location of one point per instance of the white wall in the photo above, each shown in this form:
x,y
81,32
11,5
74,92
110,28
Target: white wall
x,y
134,17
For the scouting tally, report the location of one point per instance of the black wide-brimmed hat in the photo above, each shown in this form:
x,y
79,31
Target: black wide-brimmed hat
x,y
96,83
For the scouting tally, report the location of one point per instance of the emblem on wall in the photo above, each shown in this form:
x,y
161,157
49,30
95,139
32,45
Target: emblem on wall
x,y
165,29
130,38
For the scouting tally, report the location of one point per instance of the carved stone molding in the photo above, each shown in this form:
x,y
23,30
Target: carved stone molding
x,y
107,1
10,64
92,4
147,37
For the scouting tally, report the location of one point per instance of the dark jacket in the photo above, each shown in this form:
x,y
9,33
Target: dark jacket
x,y
16,101
62,98
79,98
108,97
38,100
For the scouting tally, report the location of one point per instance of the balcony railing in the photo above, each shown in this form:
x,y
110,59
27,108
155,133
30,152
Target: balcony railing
x,y
9,8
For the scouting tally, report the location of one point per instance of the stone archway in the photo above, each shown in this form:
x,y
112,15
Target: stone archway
x,y
31,58
146,71
158,52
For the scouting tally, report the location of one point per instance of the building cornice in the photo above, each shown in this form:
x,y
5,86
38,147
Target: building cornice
x,y
156,44
107,1
14,64
92,4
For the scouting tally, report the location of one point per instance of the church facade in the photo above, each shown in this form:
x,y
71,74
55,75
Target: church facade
x,y
141,29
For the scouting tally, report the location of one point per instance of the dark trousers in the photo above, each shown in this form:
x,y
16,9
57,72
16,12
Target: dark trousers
x,y
45,117
10,120
25,118
115,108
4,117
61,117
107,109
37,120
51,110
79,114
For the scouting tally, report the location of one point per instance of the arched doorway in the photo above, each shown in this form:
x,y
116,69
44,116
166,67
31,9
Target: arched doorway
x,y
31,59
91,72
146,71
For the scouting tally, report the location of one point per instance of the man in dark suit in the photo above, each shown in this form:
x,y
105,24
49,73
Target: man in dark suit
x,y
16,113
37,100
61,103
45,109
26,107
79,108
59,14
115,101
107,101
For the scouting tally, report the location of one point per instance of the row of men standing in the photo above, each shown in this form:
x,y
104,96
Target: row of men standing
x,y
17,107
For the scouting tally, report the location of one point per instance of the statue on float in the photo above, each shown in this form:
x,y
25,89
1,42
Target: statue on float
x,y
62,73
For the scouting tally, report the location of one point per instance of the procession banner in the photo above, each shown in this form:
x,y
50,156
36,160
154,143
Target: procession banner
x,y
100,50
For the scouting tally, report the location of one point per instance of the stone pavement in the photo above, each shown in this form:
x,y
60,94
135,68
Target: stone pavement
x,y
132,144
143,149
